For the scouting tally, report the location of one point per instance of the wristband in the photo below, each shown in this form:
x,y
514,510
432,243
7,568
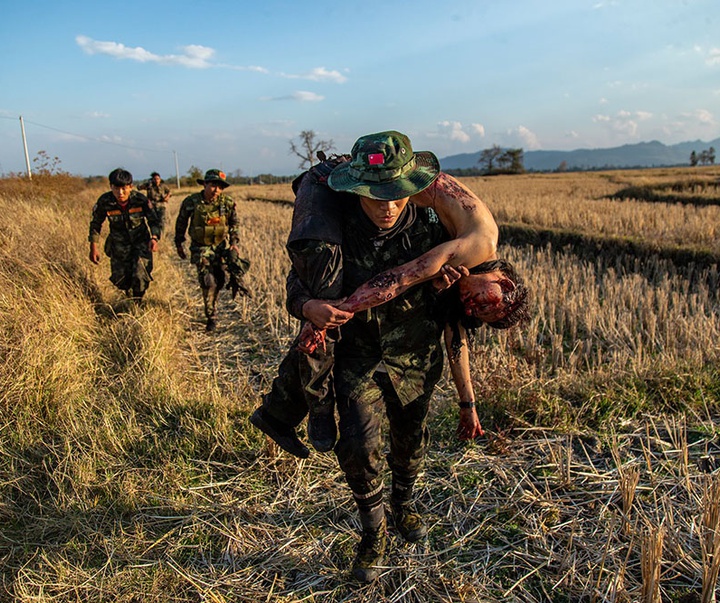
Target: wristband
x,y
462,404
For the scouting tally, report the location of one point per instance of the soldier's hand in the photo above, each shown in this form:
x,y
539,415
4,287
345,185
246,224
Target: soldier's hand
x,y
94,253
180,251
153,245
448,276
324,314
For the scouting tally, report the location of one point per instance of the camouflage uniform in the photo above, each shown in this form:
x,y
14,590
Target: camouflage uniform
x,y
157,195
305,381
127,244
387,359
213,231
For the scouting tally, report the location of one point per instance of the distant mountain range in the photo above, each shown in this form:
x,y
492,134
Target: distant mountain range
x,y
640,155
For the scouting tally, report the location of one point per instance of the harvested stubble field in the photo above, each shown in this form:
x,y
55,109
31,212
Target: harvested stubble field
x,y
129,472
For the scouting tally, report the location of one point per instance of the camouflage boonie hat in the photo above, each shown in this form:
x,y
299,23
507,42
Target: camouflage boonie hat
x,y
214,176
383,166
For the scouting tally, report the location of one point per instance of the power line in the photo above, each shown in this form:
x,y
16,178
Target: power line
x,y
117,144
100,140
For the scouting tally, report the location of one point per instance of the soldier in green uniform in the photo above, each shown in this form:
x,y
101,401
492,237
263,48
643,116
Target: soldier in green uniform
x,y
304,380
388,358
158,193
210,218
133,237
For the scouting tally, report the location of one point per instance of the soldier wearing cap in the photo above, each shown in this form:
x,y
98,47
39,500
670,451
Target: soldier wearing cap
x,y
389,355
133,236
490,293
210,218
158,193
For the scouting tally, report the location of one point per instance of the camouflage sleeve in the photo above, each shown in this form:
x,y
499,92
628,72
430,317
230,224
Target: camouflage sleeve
x,y
318,264
151,217
232,221
99,214
297,295
182,221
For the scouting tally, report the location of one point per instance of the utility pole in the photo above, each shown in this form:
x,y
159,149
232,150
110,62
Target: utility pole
x,y
177,172
27,157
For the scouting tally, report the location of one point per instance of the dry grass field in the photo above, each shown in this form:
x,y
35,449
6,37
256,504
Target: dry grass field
x,y
129,471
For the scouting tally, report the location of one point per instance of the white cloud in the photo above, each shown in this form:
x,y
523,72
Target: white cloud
x,y
702,116
713,57
98,115
194,55
528,138
453,130
456,132
624,122
301,95
320,74
603,101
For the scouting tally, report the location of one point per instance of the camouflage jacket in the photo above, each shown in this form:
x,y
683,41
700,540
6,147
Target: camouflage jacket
x,y
217,221
156,194
402,334
130,224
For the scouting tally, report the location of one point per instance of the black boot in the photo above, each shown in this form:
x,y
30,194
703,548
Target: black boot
x,y
408,521
370,557
322,430
282,434
406,518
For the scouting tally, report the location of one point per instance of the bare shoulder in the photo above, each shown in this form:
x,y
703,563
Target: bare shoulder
x,y
447,194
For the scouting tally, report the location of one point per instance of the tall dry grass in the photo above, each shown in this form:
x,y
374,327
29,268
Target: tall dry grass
x,y
580,203
128,470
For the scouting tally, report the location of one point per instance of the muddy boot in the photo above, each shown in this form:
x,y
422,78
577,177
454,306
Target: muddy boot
x,y
282,434
406,518
322,430
370,557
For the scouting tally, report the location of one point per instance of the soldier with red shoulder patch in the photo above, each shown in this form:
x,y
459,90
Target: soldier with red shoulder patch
x,y
210,219
133,237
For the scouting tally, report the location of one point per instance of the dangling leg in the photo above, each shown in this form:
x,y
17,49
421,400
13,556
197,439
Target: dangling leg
x,y
316,376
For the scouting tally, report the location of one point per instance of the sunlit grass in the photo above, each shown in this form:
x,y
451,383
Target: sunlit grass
x,y
129,471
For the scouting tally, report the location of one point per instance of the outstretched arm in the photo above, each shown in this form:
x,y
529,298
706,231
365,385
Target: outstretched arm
x,y
474,240
469,426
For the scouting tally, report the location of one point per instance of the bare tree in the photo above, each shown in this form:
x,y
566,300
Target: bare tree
x,y
489,158
307,148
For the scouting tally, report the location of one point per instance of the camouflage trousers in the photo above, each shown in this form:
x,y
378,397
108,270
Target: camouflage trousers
x,y
303,381
217,266
160,210
130,266
360,444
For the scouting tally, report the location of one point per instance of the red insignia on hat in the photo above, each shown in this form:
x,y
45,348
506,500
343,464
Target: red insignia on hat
x,y
376,159
222,175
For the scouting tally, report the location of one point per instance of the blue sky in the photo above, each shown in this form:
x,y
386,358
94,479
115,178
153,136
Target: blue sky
x,y
228,84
